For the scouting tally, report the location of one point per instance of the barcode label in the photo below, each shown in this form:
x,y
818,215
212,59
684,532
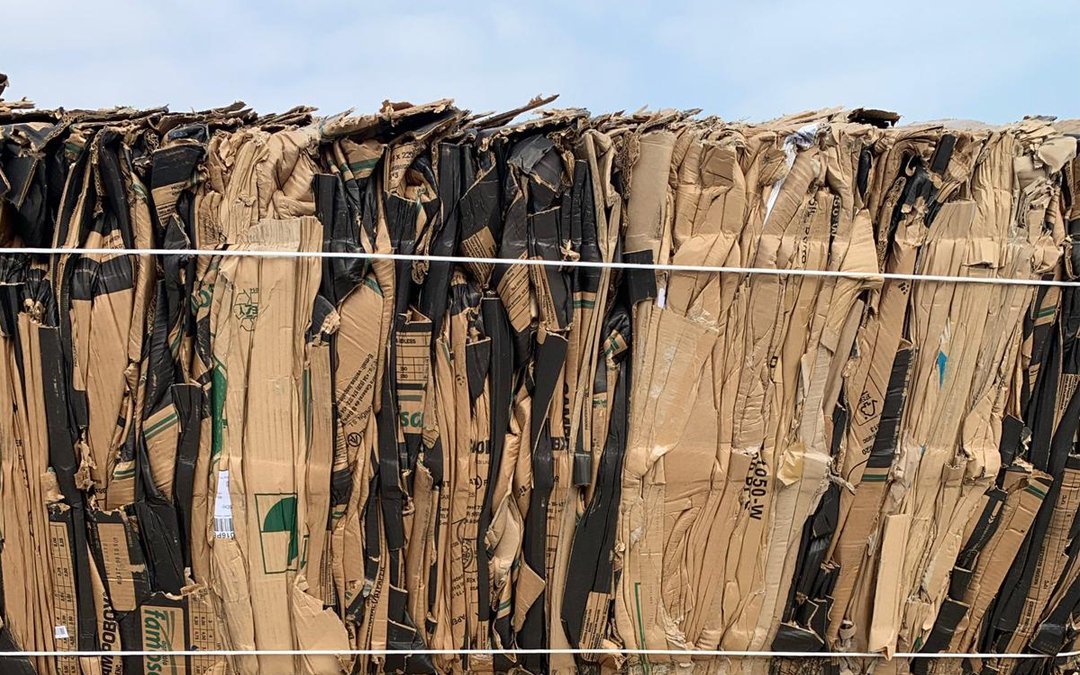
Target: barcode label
x,y
223,522
223,528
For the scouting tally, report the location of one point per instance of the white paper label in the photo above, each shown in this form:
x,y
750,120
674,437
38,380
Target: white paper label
x,y
60,632
223,522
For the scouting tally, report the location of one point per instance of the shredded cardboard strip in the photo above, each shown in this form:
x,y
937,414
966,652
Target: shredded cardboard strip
x,y
425,391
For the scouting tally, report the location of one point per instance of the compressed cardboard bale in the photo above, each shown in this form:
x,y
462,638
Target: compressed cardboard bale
x,y
235,450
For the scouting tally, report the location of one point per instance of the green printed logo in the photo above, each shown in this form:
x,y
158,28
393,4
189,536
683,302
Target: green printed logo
x,y
278,533
202,298
412,421
219,384
247,308
159,633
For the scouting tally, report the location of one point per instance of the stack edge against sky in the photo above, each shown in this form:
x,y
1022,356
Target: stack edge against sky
x,y
216,451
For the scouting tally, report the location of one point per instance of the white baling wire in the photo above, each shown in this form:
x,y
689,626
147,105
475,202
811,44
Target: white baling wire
x,y
482,652
462,260
658,267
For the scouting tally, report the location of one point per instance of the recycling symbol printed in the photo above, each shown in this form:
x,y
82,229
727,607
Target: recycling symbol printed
x,y
247,308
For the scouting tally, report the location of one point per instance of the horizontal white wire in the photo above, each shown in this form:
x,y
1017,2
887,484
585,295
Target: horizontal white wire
x,y
481,652
659,267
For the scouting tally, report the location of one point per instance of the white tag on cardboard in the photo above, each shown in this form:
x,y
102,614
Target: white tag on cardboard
x,y
223,520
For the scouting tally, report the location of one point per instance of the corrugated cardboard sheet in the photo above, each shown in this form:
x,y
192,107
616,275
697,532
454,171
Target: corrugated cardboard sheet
x,y
204,452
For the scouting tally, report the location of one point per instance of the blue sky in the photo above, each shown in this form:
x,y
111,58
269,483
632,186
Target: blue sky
x,y
750,60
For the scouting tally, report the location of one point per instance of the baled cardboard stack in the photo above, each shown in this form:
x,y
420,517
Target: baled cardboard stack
x,y
240,451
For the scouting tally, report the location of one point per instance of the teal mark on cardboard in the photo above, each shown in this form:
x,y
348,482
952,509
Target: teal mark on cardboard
x,y
218,384
641,627
278,533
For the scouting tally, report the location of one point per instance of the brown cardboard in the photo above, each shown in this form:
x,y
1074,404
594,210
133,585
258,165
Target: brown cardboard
x,y
218,451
